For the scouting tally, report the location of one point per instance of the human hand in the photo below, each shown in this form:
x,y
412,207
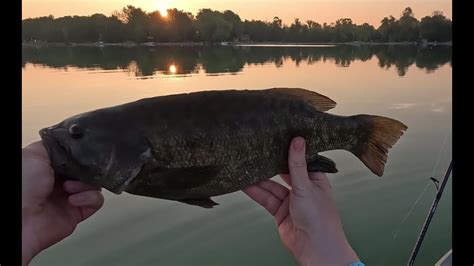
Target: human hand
x,y
306,216
51,209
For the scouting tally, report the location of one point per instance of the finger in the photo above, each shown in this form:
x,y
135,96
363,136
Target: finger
x,y
90,199
286,178
282,212
72,186
35,146
297,165
86,212
36,149
320,179
275,188
269,201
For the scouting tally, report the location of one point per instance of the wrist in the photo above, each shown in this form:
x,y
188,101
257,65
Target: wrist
x,y
327,252
28,244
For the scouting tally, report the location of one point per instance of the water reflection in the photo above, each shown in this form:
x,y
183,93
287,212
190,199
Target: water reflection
x,y
183,61
422,101
172,69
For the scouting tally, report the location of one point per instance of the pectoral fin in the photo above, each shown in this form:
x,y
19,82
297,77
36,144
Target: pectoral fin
x,y
205,202
322,164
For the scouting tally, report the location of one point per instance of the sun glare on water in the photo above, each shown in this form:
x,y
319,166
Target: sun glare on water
x,y
172,69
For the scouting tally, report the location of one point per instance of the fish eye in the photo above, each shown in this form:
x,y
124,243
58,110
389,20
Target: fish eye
x,y
76,131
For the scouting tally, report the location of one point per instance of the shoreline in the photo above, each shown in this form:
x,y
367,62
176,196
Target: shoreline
x,y
235,44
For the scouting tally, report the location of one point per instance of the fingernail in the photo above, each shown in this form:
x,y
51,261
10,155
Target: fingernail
x,y
298,144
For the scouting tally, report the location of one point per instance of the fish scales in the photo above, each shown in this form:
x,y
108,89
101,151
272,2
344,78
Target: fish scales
x,y
190,147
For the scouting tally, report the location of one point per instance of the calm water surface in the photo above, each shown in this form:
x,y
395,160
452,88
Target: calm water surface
x,y
411,84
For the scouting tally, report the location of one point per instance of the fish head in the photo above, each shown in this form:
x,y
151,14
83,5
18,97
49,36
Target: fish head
x,y
97,148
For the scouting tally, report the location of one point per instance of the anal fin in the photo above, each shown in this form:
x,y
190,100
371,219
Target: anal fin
x,y
322,164
317,164
204,202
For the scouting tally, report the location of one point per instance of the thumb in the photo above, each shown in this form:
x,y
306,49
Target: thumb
x,y
297,165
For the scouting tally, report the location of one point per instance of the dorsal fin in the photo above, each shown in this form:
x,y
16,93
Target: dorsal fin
x,y
320,102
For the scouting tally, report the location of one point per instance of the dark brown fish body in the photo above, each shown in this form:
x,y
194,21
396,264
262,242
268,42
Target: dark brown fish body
x,y
195,146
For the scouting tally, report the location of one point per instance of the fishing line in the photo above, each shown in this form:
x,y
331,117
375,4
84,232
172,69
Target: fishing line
x,y
395,235
439,154
411,210
426,187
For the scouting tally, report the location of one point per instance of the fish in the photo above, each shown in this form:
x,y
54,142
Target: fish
x,y
191,147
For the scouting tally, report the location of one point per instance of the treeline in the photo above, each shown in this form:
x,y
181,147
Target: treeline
x,y
217,60
134,24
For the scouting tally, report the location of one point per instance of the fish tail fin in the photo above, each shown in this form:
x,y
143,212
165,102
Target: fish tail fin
x,y
380,134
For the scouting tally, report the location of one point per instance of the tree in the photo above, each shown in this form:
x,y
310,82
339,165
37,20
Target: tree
x,y
345,30
297,31
180,26
257,30
137,22
234,19
365,33
212,27
314,32
388,29
133,24
157,28
408,26
276,29
436,28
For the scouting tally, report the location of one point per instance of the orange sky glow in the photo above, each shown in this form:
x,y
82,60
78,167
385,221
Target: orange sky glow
x,y
360,11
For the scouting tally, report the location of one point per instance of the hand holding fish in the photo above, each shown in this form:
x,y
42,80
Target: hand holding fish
x,y
306,216
51,209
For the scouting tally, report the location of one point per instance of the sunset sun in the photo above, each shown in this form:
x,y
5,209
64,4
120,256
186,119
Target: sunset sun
x,y
163,8
163,12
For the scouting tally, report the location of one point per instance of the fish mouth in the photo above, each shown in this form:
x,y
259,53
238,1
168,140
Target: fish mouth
x,y
59,155
67,168
51,145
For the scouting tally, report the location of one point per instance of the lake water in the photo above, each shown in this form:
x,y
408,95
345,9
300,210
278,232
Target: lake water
x,y
408,83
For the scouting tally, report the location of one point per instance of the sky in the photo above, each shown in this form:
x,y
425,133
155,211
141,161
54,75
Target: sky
x,y
360,11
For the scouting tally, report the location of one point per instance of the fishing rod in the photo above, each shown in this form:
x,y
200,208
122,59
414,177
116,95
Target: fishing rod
x,y
430,214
